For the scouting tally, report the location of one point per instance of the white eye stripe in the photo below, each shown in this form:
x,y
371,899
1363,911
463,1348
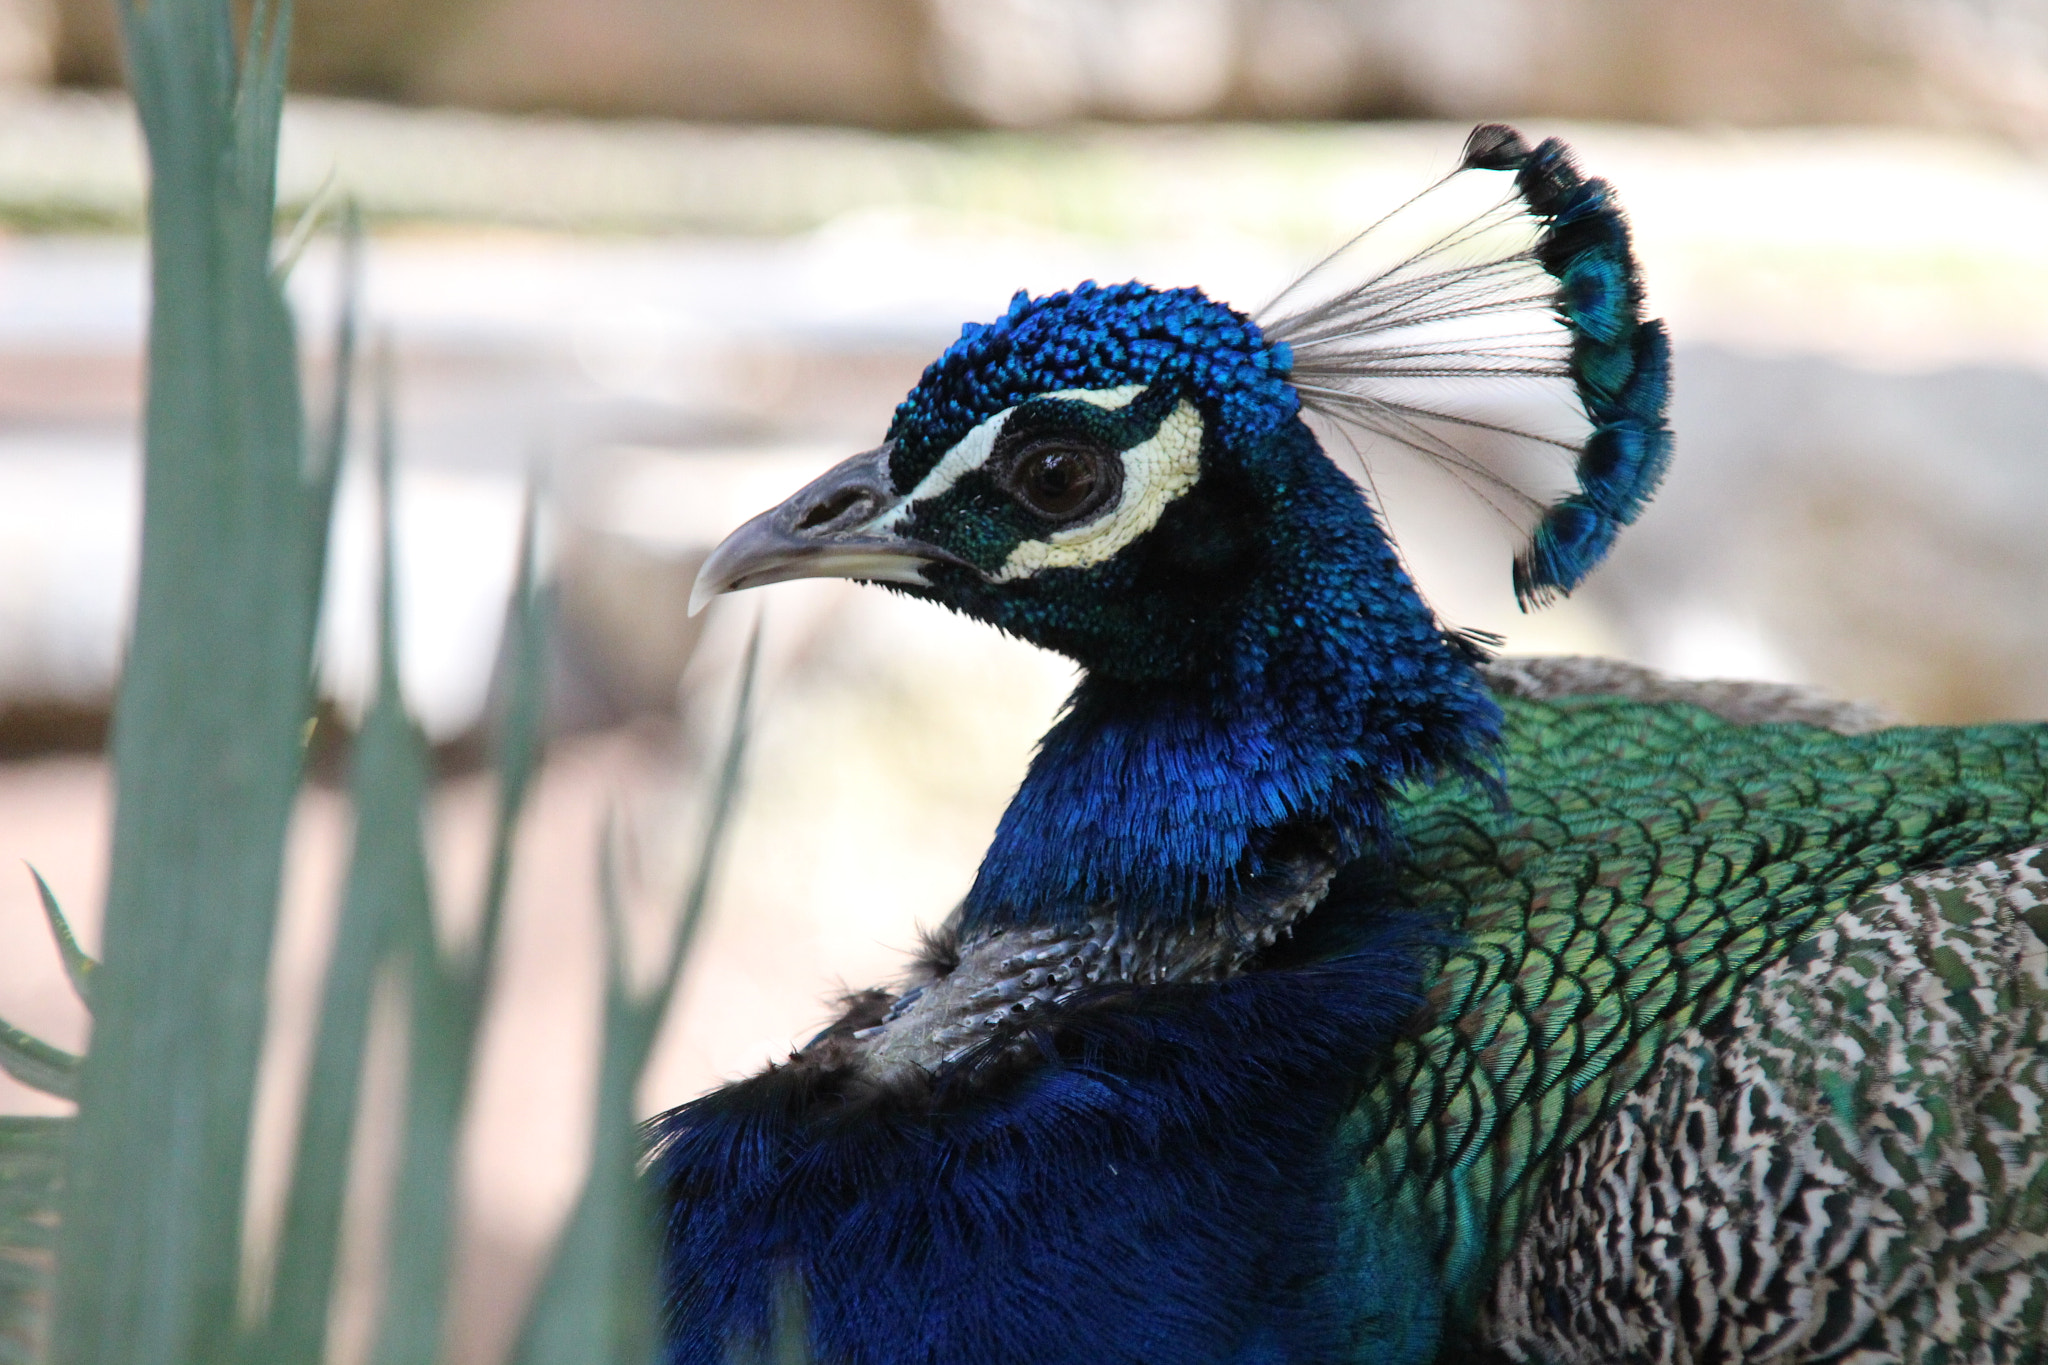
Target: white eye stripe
x,y
1156,471
971,451
967,455
1111,399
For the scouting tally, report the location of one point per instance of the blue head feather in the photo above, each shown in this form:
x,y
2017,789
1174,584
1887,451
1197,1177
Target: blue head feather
x,y
1094,337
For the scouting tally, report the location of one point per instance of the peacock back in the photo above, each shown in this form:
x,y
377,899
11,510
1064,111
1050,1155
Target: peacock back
x,y
1806,963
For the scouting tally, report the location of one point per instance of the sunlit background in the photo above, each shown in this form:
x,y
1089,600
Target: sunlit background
x,y
665,259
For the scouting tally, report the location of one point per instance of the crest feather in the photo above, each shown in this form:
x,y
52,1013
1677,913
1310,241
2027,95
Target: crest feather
x,y
1537,289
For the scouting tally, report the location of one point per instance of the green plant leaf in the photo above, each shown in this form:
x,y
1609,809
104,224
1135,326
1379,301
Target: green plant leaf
x,y
528,621
34,1062
598,1301
208,727
449,995
441,1045
387,867
648,1013
78,964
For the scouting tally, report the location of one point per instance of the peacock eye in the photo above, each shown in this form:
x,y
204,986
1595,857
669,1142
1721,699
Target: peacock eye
x,y
1059,481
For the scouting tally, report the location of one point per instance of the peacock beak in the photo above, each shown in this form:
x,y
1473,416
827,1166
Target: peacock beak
x,y
826,530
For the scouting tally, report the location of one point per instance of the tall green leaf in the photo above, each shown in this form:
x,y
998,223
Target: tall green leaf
x,y
208,750
208,726
450,992
387,872
36,1063
78,964
597,1303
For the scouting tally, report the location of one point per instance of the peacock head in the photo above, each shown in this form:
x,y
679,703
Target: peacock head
x,y
1122,474
1092,472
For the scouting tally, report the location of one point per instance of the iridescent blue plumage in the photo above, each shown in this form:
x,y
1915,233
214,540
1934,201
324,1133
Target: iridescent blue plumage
x,y
1093,337
1620,362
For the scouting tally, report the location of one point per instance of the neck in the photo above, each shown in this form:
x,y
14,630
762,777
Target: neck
x,y
1164,805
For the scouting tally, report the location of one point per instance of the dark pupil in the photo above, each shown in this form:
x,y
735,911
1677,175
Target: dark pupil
x,y
1057,482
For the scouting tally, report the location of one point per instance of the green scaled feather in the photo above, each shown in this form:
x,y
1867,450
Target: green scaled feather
x,y
1654,860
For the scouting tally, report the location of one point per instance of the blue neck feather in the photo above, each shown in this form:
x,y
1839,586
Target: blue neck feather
x,y
1331,687
1162,1186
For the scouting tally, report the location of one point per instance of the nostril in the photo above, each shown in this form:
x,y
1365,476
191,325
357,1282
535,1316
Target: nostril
x,y
835,508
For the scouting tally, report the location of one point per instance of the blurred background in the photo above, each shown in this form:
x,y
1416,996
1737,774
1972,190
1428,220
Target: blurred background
x,y
668,258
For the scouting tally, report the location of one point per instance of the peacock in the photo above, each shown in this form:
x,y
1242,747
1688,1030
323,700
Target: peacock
x,y
1332,989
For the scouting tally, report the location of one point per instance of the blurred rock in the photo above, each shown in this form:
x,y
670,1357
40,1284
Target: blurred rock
x,y
635,524
625,626
456,551
1883,534
826,61
28,40
1739,61
923,63
373,47
1022,62
822,61
70,525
